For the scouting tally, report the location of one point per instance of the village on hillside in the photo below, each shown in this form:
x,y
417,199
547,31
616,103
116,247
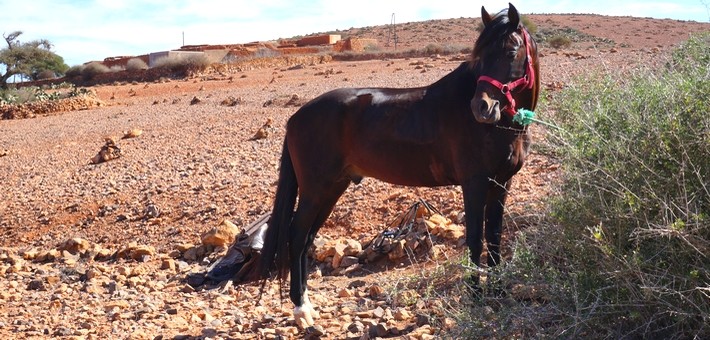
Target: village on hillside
x,y
230,52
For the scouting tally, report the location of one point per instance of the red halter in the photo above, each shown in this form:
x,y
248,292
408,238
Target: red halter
x,y
527,81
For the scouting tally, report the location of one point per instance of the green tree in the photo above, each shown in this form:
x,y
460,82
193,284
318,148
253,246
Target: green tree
x,y
28,59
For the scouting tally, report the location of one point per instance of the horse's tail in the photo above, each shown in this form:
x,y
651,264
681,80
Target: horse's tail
x,y
275,254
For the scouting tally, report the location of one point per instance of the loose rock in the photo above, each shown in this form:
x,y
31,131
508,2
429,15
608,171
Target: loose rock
x,y
222,235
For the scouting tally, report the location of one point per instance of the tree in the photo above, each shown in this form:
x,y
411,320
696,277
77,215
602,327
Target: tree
x,y
28,59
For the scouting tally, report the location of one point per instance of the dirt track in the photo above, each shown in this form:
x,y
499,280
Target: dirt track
x,y
194,165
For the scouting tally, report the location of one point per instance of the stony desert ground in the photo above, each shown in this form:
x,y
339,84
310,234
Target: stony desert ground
x,y
103,250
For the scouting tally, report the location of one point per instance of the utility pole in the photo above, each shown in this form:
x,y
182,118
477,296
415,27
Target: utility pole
x,y
392,33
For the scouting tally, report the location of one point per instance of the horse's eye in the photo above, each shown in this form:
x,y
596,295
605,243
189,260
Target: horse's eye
x,y
511,54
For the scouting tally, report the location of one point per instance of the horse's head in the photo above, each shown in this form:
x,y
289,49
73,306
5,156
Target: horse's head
x,y
505,57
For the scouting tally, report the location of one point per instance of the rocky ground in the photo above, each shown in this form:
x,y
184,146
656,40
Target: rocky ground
x,y
102,250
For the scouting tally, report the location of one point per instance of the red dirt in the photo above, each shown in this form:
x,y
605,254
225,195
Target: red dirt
x,y
194,163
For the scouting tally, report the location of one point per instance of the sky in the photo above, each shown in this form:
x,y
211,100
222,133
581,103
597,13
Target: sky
x,y
86,30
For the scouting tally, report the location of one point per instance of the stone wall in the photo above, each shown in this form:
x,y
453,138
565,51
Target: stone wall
x,y
48,108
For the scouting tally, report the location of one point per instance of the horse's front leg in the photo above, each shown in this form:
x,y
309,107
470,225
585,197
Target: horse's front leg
x,y
495,206
474,199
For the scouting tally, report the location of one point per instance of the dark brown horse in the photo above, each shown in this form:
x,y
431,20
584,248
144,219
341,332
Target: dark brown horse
x,y
456,131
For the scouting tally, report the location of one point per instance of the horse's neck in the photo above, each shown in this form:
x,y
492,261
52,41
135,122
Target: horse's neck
x,y
459,84
466,73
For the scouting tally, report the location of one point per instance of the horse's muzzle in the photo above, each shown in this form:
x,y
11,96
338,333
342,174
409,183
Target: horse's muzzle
x,y
485,109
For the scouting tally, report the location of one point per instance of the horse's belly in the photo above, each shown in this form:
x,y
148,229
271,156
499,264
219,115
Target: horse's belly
x,y
404,171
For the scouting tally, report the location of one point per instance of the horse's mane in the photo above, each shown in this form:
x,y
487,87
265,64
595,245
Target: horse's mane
x,y
494,32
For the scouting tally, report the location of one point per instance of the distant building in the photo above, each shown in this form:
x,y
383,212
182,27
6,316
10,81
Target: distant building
x,y
326,39
355,44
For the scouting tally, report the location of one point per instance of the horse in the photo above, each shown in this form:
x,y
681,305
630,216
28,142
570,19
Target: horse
x,y
457,131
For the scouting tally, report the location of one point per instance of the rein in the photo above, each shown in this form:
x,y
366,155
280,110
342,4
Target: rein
x,y
527,81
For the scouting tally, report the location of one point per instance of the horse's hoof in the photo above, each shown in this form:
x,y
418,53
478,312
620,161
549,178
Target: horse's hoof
x,y
476,292
474,287
304,317
473,280
499,292
302,323
314,313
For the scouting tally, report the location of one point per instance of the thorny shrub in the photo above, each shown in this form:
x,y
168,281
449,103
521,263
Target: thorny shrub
x,y
135,64
623,248
92,69
183,64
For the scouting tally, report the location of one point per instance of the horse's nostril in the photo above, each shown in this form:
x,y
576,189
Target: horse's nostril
x,y
484,107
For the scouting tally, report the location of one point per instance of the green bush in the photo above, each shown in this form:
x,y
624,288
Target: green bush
x,y
623,251
7,97
45,93
637,160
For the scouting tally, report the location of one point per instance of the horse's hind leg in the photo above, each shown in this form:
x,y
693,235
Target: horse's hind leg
x,y
312,211
305,215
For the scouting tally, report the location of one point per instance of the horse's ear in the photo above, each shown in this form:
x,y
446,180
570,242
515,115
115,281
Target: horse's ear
x,y
485,16
513,15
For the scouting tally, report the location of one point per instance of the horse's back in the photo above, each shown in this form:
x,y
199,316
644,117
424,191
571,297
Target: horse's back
x,y
389,134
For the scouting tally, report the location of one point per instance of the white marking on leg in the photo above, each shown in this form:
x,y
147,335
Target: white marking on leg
x,y
306,301
305,313
302,316
307,304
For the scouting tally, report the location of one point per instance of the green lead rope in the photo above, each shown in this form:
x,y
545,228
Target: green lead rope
x,y
525,117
